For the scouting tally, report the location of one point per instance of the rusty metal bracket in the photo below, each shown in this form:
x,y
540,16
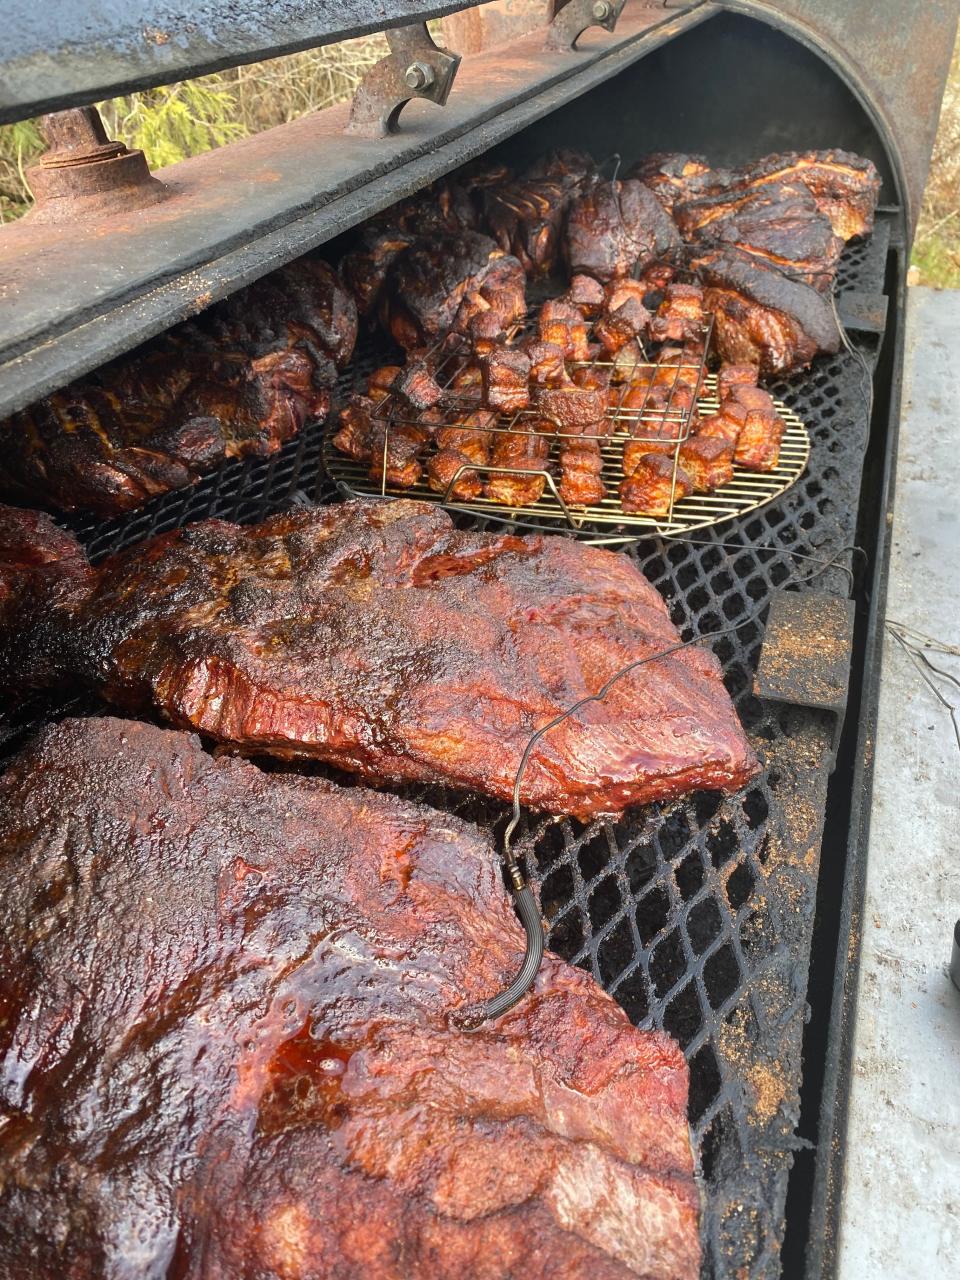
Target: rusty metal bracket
x,y
415,67
805,657
84,172
569,19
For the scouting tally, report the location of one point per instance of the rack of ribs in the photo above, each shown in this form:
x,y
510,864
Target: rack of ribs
x,y
377,637
226,1046
236,382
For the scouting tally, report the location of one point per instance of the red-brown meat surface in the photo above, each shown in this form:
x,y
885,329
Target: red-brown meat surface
x,y
237,382
226,1050
443,282
379,638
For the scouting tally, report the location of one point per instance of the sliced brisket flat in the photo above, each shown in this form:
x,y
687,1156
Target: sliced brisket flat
x,y
226,1048
379,638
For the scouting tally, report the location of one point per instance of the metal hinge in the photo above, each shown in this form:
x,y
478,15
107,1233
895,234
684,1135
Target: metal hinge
x,y
415,67
569,19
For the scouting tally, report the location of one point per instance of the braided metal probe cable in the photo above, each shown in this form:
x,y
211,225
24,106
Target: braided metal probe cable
x,y
473,1017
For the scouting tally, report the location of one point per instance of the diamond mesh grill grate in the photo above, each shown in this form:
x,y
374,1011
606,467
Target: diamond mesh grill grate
x,y
696,916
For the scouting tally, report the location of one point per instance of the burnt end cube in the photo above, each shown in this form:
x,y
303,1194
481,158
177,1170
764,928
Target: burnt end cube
x,y
417,386
708,461
758,445
586,294
651,485
381,382
563,325
726,423
505,375
735,375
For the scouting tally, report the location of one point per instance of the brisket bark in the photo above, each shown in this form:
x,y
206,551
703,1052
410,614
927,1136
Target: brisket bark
x,y
377,637
226,1048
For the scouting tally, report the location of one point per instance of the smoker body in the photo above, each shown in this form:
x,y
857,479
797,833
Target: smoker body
x,y
700,917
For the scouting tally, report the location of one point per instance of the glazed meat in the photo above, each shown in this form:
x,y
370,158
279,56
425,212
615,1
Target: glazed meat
x,y
526,218
650,436
586,294
364,269
579,407
763,317
416,384
726,424
505,379
375,636
394,453
680,315
440,284
653,484
779,224
381,382
227,1048
236,382
354,435
547,364
581,474
708,461
470,442
674,177
734,375
523,451
758,444
562,324
614,227
575,167
623,316
845,187
389,444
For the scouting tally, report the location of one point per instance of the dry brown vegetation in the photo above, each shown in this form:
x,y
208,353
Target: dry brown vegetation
x,y
936,249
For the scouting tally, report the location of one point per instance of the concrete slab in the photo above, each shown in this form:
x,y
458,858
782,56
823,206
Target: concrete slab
x,y
900,1213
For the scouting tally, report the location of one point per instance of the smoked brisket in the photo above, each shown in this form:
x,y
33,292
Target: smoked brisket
x,y
227,1051
377,637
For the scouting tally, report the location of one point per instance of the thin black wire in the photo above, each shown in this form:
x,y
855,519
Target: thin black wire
x,y
632,666
472,1019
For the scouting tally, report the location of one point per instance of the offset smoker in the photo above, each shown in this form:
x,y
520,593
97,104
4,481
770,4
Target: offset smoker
x,y
698,917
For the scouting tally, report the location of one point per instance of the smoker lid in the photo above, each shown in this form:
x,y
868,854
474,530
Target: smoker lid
x,y
65,53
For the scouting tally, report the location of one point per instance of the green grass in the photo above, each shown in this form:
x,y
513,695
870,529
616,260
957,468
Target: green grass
x,y
937,260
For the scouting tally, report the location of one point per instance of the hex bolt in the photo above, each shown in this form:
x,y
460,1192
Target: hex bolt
x,y
601,10
419,75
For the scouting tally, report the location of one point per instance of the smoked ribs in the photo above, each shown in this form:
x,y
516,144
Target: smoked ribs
x,y
236,382
226,1044
378,638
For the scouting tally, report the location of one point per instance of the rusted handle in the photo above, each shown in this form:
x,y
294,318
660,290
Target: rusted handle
x,y
415,67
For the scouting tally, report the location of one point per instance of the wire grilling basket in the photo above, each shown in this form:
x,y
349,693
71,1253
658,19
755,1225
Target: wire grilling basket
x,y
654,399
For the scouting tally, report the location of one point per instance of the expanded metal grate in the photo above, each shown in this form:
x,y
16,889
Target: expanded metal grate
x,y
697,916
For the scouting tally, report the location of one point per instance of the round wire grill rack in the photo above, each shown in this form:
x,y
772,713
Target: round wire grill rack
x,y
746,492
